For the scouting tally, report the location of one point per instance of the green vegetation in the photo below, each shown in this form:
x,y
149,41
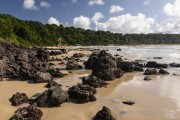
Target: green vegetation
x,y
32,33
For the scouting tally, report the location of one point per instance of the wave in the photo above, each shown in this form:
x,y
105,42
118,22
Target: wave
x,y
175,55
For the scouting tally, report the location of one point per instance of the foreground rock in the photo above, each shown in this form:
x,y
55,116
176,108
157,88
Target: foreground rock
x,y
52,97
147,78
82,93
42,77
104,66
73,65
153,64
174,65
163,72
51,83
104,114
18,99
150,72
94,81
28,113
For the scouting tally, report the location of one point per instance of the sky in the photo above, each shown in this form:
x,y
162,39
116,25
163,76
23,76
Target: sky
x,y
121,16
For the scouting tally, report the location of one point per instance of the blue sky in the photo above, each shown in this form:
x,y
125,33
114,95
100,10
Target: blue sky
x,y
125,16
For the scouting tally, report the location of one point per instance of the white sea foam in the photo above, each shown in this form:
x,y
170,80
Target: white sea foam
x,y
175,55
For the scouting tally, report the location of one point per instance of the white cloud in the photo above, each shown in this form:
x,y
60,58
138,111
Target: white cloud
x,y
170,25
128,24
147,2
74,1
44,4
97,16
82,22
53,20
115,9
29,4
95,2
172,9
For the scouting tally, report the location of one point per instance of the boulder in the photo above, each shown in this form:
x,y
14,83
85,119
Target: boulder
x,y
73,65
82,93
174,65
147,78
94,81
51,83
104,114
153,64
138,68
18,99
119,49
27,113
150,72
56,73
163,72
126,66
43,77
52,97
78,55
104,66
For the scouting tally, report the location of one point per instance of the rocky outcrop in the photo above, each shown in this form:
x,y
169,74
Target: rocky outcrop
x,y
94,81
73,65
104,66
52,97
163,72
78,55
51,83
174,65
56,73
153,64
126,66
43,77
104,114
27,113
82,93
18,99
150,72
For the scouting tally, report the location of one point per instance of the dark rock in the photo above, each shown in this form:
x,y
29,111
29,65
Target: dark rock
x,y
174,65
116,55
54,53
18,99
126,66
43,55
147,78
94,81
104,66
51,83
138,68
56,73
28,113
119,49
52,97
128,102
104,114
163,72
158,58
82,93
73,65
43,77
153,64
150,72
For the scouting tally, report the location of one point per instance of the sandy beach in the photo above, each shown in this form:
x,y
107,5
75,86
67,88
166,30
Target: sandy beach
x,y
157,99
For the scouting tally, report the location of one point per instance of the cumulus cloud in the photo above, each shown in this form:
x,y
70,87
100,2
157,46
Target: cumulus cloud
x,y
95,2
115,9
172,9
44,4
74,1
97,16
30,5
170,25
53,20
128,24
147,2
82,22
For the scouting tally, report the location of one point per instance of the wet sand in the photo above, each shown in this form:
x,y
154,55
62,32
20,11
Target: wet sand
x,y
158,99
